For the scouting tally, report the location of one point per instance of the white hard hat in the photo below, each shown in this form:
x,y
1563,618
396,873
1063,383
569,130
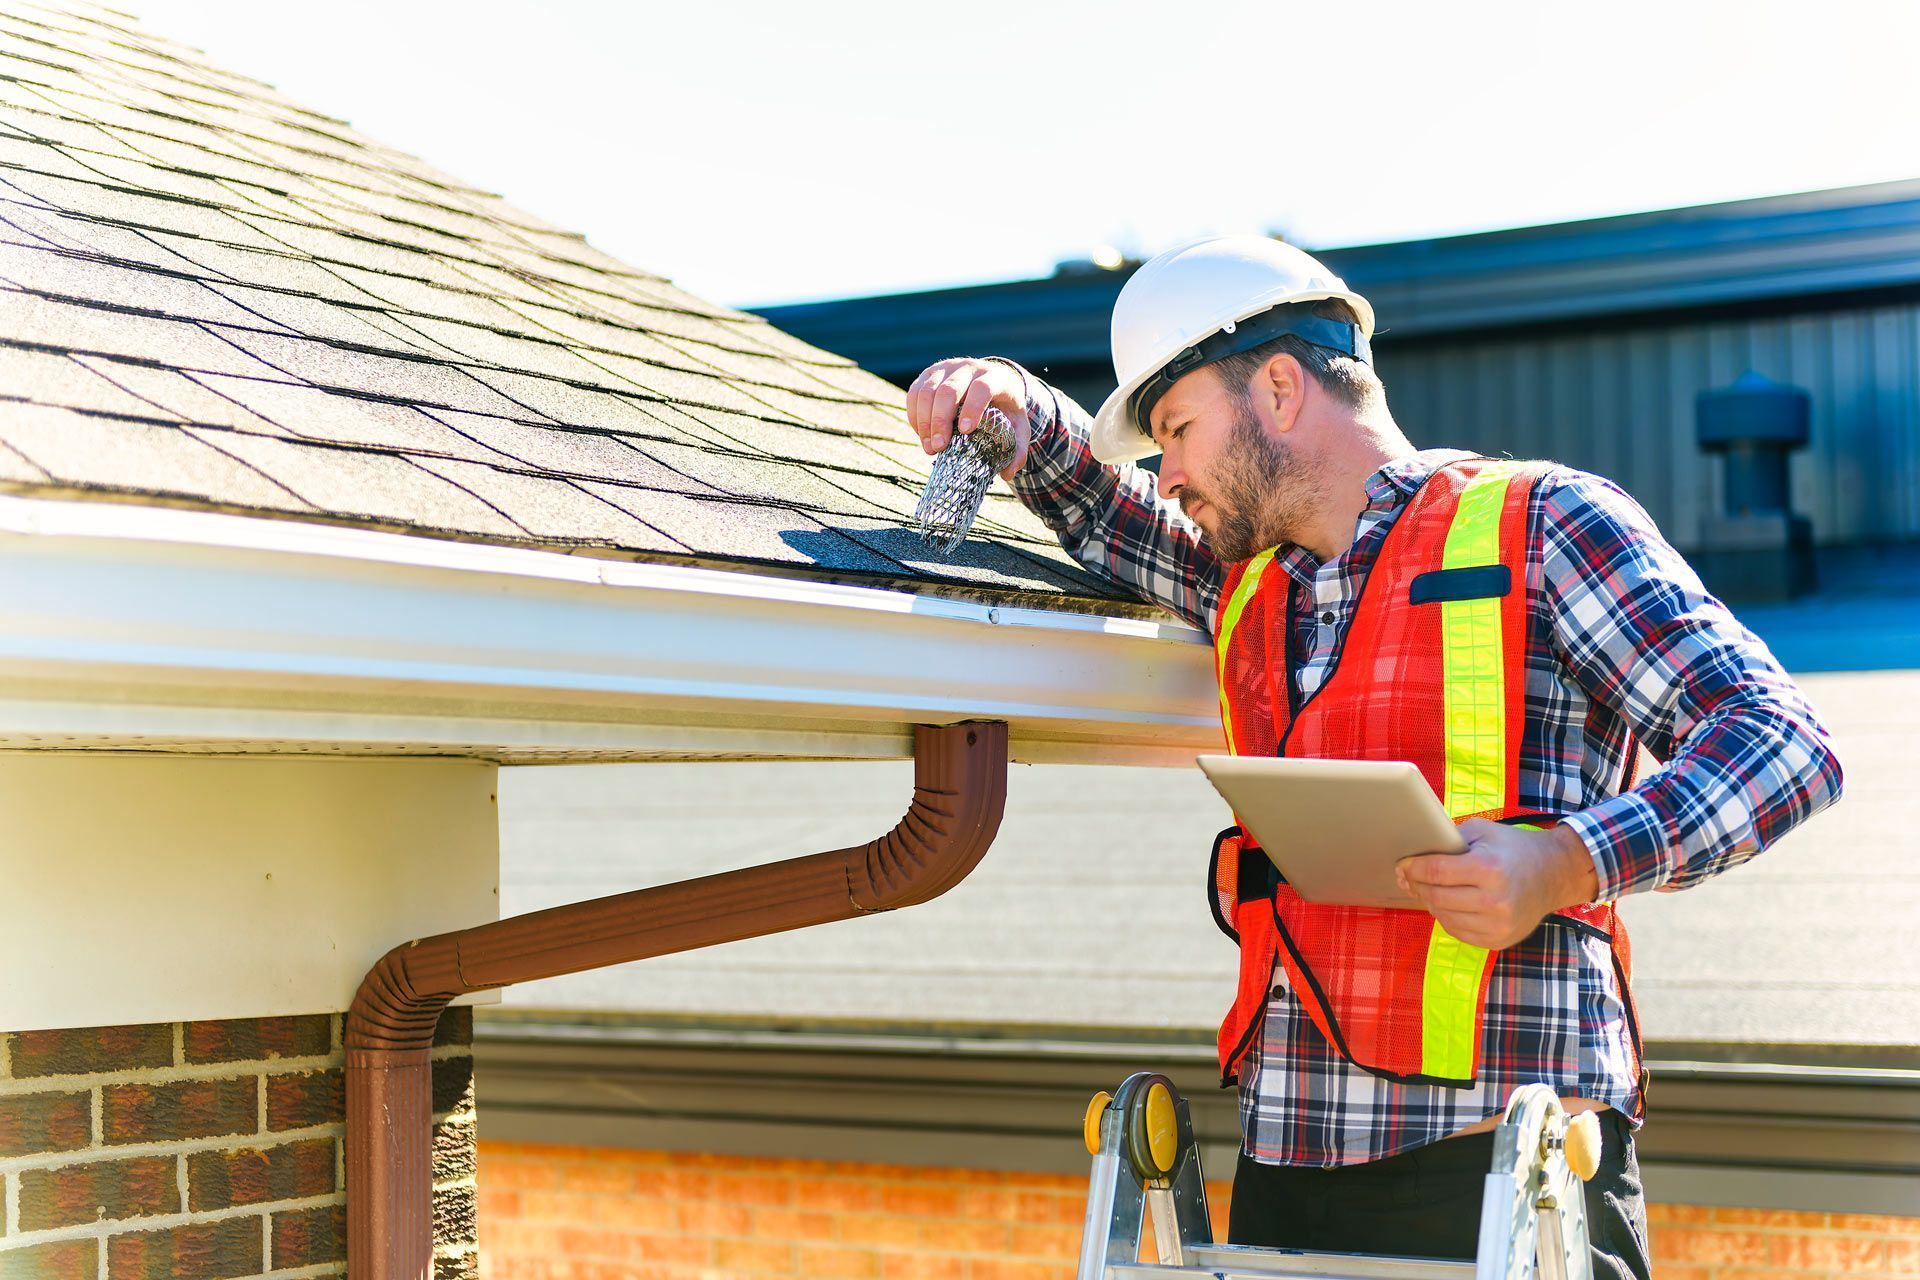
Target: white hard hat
x,y
1165,315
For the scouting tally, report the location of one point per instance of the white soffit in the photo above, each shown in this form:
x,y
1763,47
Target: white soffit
x,y
125,627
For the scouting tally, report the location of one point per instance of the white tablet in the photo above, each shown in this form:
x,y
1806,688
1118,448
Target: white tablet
x,y
1335,828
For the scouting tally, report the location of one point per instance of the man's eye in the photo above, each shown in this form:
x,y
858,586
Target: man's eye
x,y
1177,432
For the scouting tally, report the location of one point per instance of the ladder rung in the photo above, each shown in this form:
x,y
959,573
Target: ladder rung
x,y
1231,1261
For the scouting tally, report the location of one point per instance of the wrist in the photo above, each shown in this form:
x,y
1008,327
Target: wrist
x,y
1577,881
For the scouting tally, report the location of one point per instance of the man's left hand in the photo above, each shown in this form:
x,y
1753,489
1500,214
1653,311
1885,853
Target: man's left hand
x,y
1505,884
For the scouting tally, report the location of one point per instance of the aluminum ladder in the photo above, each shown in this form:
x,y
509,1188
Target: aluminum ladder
x,y
1532,1217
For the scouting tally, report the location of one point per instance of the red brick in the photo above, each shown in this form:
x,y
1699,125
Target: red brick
x,y
229,1247
454,1220
756,1189
455,1152
1795,1219
837,1264
560,1206
965,1237
844,1195
301,1099
922,1266
457,1266
254,1175
1722,1248
522,1239
1072,1184
302,1237
674,1184
507,1173
452,1084
254,1039
593,1240
79,1050
792,1224
42,1123
1850,1255
62,1260
1004,1269
1873,1224
499,1204
921,1202
1040,1210
455,1026
182,1109
671,1250
999,1203
636,1213
1046,1242
709,1218
714,1160
74,1194
606,1176
1679,1214
760,1256
868,1229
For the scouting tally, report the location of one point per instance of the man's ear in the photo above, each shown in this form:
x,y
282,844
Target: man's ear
x,y
1282,384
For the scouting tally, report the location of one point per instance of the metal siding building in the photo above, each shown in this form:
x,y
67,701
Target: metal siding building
x,y
1584,342
1620,402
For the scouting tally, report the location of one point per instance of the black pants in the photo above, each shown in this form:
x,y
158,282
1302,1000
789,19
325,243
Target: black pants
x,y
1425,1203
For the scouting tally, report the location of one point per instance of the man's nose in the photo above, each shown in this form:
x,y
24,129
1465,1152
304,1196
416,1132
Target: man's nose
x,y
1173,475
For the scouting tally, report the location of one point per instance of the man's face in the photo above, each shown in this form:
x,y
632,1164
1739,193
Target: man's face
x,y
1232,476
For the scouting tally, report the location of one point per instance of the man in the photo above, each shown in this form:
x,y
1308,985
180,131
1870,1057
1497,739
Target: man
x,y
1515,629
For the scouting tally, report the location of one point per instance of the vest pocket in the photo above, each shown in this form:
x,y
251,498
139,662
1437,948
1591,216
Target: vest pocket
x,y
1474,582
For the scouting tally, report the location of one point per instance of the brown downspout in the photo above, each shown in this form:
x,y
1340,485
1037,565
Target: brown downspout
x,y
959,793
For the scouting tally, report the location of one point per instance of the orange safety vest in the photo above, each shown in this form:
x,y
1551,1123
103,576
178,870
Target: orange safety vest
x,y
1432,671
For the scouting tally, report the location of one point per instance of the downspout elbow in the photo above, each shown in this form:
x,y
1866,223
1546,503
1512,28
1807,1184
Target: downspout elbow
x,y
959,797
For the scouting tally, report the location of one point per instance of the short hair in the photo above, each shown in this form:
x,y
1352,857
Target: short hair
x,y
1352,381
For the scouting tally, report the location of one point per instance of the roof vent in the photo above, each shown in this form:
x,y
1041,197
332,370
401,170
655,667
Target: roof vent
x,y
1755,548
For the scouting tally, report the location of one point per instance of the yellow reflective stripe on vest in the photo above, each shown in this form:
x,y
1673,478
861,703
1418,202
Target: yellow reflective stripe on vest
x,y
1472,658
1474,681
1229,618
1450,997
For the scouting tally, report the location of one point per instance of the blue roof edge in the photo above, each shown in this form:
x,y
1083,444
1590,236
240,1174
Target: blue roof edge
x,y
1840,241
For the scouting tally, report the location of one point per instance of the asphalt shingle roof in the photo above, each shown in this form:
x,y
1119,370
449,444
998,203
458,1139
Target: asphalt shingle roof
x,y
212,296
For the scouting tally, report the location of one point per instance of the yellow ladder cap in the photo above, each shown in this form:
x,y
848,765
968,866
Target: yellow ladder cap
x,y
1163,1128
1090,1127
1583,1143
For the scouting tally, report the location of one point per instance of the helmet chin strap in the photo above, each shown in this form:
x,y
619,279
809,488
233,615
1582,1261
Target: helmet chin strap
x,y
1294,319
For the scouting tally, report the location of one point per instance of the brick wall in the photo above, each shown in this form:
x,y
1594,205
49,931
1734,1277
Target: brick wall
x,y
1695,1243
203,1149
588,1213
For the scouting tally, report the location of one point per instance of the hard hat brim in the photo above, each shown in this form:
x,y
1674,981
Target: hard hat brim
x,y
1115,437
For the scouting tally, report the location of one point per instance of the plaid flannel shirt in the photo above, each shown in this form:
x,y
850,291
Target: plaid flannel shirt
x,y
1626,645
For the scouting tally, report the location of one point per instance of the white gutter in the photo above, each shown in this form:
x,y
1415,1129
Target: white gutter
x,y
130,627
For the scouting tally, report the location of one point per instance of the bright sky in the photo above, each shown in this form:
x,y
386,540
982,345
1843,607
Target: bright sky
x,y
767,152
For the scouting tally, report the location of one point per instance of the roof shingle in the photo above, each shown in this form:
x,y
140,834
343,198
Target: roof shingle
x,y
212,295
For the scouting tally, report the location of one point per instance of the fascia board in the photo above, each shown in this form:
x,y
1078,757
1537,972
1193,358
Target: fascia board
x,y
130,627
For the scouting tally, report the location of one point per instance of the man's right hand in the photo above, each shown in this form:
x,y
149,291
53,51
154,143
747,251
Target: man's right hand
x,y
951,395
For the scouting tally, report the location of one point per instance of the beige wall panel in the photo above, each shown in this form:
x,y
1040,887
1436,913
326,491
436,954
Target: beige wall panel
x,y
166,888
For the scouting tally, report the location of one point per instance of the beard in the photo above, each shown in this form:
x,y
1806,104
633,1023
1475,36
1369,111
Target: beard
x,y
1256,494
